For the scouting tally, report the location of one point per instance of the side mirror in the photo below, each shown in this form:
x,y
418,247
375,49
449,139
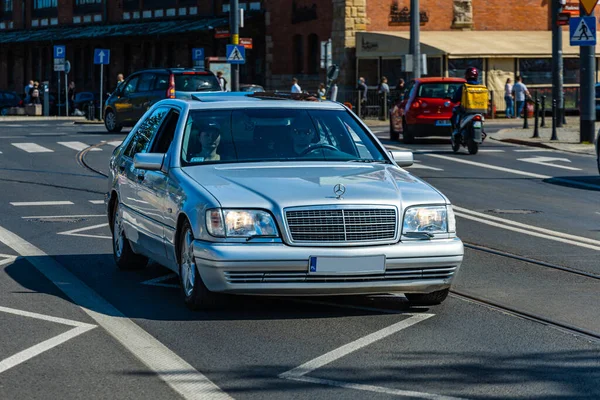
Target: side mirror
x,y
150,161
403,158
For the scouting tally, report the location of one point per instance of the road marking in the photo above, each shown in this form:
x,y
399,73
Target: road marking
x,y
115,143
417,165
41,203
547,161
7,259
27,354
512,171
97,201
64,216
75,232
157,281
171,368
32,148
491,151
371,388
528,229
532,150
79,146
351,347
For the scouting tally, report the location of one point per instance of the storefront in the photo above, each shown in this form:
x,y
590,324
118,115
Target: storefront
x,y
498,55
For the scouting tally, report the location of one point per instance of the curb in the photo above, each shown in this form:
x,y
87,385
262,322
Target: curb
x,y
37,118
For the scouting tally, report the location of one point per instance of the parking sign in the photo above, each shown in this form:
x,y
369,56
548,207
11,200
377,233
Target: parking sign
x,y
59,51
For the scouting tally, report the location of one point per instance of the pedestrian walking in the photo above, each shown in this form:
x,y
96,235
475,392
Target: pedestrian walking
x,y
508,99
361,86
521,93
34,93
27,89
321,92
295,87
384,94
71,95
222,81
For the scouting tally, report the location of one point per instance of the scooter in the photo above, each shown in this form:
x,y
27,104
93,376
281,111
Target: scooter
x,y
470,134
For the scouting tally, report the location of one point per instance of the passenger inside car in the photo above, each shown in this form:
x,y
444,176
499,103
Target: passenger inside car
x,y
204,142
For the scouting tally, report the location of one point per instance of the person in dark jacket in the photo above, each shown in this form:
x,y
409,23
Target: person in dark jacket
x,y
472,77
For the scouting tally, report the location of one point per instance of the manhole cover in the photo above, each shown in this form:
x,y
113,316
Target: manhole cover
x,y
498,211
62,220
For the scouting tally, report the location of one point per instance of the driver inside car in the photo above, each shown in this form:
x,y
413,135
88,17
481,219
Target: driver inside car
x,y
207,137
302,138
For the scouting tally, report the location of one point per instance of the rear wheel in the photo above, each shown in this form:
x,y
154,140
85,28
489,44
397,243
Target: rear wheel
x,y
427,299
124,256
196,294
408,136
473,146
110,122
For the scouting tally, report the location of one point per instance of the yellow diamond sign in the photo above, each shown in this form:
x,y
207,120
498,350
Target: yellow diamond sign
x,y
588,5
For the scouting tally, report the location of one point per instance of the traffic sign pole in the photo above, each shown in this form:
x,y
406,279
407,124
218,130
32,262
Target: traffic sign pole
x,y
101,86
587,69
557,60
234,14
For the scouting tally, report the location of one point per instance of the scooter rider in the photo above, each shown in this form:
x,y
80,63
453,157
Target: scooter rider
x,y
472,77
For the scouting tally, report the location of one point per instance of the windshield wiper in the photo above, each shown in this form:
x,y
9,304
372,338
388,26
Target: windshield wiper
x,y
367,161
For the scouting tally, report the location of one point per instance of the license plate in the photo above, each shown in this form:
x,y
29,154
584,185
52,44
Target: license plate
x,y
442,122
477,124
346,265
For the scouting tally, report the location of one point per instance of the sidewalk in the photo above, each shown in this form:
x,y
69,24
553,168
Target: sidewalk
x,y
568,135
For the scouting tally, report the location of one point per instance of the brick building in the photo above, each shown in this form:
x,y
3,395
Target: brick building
x,y
139,34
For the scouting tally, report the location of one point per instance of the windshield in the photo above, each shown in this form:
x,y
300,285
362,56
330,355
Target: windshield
x,y
438,90
253,135
196,83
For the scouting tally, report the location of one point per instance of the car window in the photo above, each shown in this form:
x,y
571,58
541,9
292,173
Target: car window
x,y
131,85
276,135
166,133
196,83
145,84
438,90
161,82
145,132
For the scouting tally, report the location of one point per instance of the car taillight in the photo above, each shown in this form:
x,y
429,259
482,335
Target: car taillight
x,y
416,104
477,118
171,89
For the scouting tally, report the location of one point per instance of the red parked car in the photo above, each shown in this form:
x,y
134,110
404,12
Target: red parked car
x,y
426,110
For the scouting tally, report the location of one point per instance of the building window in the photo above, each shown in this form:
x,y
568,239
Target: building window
x,y
87,6
458,66
39,4
298,57
313,53
6,9
538,71
45,8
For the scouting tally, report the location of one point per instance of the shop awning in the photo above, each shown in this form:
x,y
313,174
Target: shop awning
x,y
75,32
464,44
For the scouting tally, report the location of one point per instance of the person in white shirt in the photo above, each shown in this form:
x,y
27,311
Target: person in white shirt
x,y
508,99
520,91
295,87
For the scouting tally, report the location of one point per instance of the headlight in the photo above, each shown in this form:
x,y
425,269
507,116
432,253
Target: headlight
x,y
436,219
240,223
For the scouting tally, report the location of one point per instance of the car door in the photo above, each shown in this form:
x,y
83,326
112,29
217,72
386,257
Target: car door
x,y
123,104
142,225
140,100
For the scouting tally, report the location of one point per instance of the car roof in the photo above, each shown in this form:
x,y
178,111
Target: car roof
x,y
440,79
237,100
199,71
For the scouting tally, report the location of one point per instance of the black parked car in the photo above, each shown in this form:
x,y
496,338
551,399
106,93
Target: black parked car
x,y
142,89
8,100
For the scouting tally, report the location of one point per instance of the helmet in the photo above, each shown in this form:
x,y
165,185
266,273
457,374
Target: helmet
x,y
471,74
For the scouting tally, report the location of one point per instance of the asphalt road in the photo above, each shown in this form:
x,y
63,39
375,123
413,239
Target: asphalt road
x,y
73,325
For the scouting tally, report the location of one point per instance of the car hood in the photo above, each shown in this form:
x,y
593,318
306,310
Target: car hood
x,y
277,186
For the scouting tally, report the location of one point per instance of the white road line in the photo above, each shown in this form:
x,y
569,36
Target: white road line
x,y
64,216
32,148
75,232
491,151
97,201
171,368
115,143
351,347
7,259
156,281
548,162
420,166
77,146
477,164
532,150
41,203
371,388
48,318
528,232
528,227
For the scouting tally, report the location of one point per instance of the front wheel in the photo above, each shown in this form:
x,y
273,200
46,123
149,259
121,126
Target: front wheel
x,y
427,299
110,122
473,146
196,294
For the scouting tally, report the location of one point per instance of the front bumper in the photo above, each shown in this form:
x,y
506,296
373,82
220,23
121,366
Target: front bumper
x,y
278,269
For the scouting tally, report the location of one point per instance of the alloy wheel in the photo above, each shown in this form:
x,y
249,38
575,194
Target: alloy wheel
x,y
188,265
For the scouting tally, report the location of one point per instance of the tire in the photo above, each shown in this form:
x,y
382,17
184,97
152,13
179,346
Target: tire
x,y
110,122
472,146
427,299
394,135
454,143
195,293
408,136
124,256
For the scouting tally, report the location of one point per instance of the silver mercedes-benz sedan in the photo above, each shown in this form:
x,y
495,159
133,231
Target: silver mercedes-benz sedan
x,y
250,194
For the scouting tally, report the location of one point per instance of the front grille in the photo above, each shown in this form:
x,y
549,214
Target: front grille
x,y
433,273
342,225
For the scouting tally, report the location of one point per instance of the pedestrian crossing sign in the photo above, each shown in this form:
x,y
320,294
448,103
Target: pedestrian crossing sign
x,y
236,54
582,31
